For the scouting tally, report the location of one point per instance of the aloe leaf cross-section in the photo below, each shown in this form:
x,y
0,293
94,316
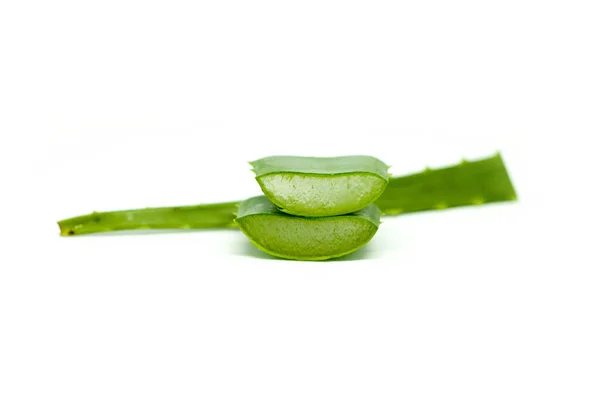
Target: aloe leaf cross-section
x,y
321,186
303,238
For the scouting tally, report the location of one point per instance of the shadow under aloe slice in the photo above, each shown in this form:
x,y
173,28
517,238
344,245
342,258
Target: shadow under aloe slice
x,y
319,186
303,238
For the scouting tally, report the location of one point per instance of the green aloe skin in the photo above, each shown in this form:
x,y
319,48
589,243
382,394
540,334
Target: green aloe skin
x,y
465,184
468,183
311,186
209,216
305,238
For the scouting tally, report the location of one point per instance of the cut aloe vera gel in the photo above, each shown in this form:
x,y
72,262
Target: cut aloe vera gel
x,y
312,186
304,238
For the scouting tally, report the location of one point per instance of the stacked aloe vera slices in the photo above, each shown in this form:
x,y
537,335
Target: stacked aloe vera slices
x,y
314,208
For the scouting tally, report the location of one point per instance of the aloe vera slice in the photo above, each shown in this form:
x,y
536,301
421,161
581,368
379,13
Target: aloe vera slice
x,y
313,186
302,238
468,183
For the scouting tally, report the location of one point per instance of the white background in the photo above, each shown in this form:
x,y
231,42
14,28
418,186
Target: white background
x,y
119,104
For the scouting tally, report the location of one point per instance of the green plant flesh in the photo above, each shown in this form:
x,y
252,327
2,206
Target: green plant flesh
x,y
468,183
308,186
304,238
175,217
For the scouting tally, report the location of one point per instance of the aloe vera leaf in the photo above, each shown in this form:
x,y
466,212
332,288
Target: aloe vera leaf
x,y
313,186
303,238
468,183
205,216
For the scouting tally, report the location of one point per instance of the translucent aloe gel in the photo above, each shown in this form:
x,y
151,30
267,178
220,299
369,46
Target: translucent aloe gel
x,y
311,186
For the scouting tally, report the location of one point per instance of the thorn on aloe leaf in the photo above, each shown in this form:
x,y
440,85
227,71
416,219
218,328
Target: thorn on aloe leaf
x,y
441,205
392,212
